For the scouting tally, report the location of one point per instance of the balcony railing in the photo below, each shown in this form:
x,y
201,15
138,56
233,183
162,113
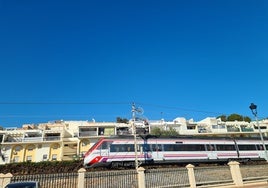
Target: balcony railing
x,y
33,139
52,138
233,129
243,129
88,133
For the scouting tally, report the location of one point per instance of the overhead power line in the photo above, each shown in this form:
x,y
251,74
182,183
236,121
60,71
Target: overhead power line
x,y
38,103
182,109
111,103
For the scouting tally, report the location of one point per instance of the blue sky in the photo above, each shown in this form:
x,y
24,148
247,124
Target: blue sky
x,y
78,60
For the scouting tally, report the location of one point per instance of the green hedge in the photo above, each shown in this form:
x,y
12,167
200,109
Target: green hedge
x,y
46,167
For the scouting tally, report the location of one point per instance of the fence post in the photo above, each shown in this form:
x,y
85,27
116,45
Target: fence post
x,y
141,177
81,178
5,179
236,173
191,175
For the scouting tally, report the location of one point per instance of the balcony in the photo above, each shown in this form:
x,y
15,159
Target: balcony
x,y
246,129
31,139
88,133
233,129
52,138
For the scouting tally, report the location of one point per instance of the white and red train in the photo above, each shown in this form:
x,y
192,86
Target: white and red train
x,y
121,151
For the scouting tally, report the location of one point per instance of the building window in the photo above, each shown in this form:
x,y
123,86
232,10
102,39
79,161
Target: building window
x,y
29,158
16,159
54,157
45,157
101,131
17,148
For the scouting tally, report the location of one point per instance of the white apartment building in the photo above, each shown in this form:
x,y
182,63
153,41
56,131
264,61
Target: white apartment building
x,y
212,126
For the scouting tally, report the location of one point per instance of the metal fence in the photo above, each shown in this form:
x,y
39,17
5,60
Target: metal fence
x,y
153,178
254,172
167,177
111,179
66,180
212,175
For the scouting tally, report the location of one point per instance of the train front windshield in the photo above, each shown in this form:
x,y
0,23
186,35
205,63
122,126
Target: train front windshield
x,y
94,147
104,145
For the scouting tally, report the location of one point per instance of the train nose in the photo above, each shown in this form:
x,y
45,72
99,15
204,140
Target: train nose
x,y
95,160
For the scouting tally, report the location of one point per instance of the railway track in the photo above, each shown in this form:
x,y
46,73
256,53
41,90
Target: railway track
x,y
177,165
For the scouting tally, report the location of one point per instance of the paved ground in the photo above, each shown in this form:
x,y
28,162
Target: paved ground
x,y
263,184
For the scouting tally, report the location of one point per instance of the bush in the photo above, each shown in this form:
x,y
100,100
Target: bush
x,y
45,167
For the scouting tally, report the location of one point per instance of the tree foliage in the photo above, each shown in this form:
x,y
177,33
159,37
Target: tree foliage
x,y
160,132
247,119
234,117
121,120
223,117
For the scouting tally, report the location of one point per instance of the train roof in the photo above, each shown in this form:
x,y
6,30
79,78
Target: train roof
x,y
149,136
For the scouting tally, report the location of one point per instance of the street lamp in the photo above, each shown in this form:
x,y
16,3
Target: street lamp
x,y
253,108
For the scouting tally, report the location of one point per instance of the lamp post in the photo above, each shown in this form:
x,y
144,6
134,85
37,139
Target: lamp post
x,y
253,108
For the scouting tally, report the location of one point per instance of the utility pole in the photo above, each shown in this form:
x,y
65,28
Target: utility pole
x,y
134,111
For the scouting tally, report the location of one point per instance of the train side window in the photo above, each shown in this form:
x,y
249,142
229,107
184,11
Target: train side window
x,y
210,147
266,146
156,147
122,148
146,147
260,147
242,147
168,147
114,148
201,147
184,147
127,148
225,147
191,147
130,148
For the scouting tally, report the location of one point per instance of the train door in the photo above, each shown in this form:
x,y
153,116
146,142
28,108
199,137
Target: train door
x,y
104,148
261,151
146,152
212,154
157,152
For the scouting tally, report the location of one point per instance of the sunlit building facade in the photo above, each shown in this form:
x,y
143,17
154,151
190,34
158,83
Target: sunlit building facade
x,y
70,140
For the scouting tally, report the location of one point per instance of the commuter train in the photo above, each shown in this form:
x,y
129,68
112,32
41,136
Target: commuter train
x,y
120,152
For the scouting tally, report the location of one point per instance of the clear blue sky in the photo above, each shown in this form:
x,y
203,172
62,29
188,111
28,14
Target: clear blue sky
x,y
78,60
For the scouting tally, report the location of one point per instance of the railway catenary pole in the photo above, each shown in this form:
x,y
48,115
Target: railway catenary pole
x,y
253,108
134,110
